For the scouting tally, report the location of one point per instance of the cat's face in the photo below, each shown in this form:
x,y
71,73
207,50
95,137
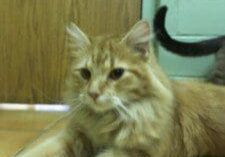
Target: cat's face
x,y
110,73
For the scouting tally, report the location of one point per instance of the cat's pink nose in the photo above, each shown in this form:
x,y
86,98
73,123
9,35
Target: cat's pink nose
x,y
94,95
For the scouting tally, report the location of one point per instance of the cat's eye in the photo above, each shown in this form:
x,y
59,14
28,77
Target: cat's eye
x,y
85,73
117,73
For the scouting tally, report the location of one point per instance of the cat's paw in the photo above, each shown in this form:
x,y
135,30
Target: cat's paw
x,y
113,153
52,147
35,153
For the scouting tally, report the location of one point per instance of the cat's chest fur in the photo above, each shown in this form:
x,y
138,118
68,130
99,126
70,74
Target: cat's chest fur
x,y
101,129
109,130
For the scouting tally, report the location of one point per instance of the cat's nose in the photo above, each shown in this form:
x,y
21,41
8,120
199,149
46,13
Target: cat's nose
x,y
94,95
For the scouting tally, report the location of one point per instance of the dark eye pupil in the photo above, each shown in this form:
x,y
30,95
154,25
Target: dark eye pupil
x,y
116,73
85,73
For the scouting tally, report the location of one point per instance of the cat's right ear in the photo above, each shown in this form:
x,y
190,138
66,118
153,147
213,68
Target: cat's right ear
x,y
76,38
138,38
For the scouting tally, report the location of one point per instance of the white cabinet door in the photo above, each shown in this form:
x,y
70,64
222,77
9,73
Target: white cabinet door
x,y
191,20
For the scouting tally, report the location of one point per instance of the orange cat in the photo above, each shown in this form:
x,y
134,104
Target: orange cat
x,y
127,107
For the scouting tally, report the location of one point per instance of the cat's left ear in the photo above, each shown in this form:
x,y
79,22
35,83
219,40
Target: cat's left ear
x,y
77,39
138,37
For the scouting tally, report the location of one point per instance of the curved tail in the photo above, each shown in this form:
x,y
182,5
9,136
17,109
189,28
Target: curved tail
x,y
192,49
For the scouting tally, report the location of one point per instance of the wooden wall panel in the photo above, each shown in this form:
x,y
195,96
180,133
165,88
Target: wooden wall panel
x,y
33,59
97,17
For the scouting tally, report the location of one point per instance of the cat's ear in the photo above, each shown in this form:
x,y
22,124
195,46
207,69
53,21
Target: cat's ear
x,y
138,37
76,38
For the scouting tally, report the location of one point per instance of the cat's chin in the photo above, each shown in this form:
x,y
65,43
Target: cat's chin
x,y
103,104
100,107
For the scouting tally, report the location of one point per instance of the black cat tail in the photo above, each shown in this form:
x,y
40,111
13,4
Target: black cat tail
x,y
191,49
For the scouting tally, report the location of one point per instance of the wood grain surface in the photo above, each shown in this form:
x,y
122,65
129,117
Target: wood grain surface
x,y
20,128
33,59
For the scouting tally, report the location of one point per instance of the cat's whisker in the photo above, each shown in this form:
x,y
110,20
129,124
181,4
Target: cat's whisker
x,y
121,107
73,109
76,99
121,113
125,110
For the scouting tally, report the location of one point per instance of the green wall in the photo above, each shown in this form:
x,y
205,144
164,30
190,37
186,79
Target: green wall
x,y
188,20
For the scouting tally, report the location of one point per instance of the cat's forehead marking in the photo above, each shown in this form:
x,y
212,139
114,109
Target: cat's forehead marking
x,y
102,54
119,64
106,54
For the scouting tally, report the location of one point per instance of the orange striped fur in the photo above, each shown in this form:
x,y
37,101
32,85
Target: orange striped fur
x,y
140,114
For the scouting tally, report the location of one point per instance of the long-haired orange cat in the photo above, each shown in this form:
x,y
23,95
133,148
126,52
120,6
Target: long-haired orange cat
x,y
127,107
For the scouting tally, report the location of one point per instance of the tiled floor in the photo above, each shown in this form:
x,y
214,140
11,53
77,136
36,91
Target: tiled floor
x,y
19,128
